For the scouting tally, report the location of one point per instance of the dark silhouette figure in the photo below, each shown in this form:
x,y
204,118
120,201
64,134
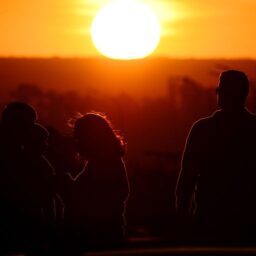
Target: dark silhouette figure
x,y
26,182
40,176
16,125
217,182
97,204
62,155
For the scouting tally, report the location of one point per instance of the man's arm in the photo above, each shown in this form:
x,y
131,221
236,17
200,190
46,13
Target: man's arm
x,y
188,174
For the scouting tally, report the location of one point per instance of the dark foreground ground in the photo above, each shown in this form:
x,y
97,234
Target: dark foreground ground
x,y
161,248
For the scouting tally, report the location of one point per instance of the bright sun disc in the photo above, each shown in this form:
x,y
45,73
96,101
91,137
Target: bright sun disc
x,y
125,29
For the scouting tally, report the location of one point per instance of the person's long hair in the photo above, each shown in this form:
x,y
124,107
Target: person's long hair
x,y
95,137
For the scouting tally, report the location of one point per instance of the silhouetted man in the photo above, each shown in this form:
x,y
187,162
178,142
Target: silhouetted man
x,y
217,182
17,120
26,182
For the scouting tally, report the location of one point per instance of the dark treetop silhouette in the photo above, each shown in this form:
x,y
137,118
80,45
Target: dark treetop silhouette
x,y
97,203
217,181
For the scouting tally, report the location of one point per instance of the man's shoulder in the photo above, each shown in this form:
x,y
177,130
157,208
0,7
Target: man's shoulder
x,y
205,122
250,125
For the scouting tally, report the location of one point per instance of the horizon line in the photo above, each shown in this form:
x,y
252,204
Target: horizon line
x,y
42,57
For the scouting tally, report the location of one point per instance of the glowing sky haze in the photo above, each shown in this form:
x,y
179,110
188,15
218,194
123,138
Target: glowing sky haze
x,y
190,29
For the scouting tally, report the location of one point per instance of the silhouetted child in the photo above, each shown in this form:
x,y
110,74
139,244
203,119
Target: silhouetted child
x,y
62,155
38,180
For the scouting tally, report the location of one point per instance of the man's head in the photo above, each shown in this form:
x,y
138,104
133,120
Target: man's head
x,y
18,113
17,121
232,90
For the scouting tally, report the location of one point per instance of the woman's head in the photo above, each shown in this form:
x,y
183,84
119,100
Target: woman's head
x,y
95,137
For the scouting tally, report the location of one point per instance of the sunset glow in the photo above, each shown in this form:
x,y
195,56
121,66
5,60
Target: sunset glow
x,y
189,29
125,30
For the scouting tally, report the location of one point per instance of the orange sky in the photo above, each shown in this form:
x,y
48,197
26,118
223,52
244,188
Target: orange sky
x,y
191,28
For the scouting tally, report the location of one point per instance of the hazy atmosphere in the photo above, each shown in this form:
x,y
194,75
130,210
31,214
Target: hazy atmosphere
x,y
97,102
190,29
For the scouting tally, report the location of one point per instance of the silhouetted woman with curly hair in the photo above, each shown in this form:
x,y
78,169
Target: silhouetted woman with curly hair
x,y
101,189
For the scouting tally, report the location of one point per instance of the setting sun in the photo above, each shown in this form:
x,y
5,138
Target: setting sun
x,y
126,29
